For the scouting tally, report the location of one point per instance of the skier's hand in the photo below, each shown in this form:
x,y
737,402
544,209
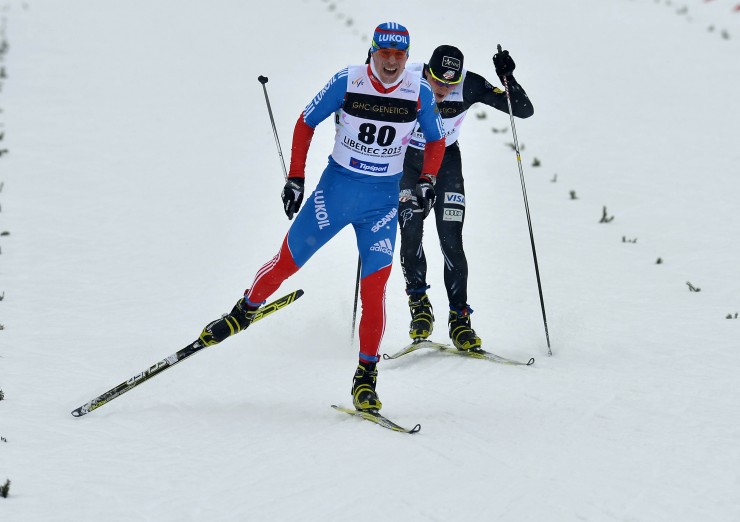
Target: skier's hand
x,y
503,63
425,194
292,195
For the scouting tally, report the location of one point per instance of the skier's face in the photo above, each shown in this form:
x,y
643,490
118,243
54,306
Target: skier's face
x,y
439,88
389,63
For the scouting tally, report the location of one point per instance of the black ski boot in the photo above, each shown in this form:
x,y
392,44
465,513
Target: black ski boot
x,y
229,324
422,316
363,388
462,334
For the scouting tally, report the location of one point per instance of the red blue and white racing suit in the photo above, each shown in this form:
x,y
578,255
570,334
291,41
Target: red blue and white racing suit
x,y
360,184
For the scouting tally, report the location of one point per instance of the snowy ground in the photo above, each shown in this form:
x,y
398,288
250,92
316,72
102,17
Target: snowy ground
x,y
141,189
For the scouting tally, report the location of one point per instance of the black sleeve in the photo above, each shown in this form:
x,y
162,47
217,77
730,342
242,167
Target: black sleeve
x,y
477,89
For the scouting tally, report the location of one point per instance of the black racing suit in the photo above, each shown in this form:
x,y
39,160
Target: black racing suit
x,y
449,207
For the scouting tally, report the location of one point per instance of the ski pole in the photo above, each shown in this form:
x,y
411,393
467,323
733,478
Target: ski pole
x,y
526,207
263,80
354,309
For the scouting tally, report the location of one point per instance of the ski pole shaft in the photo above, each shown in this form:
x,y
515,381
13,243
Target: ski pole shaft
x,y
263,80
526,208
357,291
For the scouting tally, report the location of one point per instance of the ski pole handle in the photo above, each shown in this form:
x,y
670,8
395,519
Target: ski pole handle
x,y
263,79
506,83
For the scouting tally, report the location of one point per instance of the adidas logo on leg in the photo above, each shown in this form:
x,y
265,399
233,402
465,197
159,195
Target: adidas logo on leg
x,y
385,246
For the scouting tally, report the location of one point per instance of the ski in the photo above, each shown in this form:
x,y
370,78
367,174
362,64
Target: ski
x,y
446,348
377,418
170,361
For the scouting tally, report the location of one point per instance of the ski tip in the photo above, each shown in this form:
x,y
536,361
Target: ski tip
x,y
82,410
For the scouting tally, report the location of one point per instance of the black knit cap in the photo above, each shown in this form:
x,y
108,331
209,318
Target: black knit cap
x,y
446,64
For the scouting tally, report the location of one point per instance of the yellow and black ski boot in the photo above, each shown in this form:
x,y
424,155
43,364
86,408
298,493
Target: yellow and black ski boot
x,y
229,324
462,334
364,396
422,316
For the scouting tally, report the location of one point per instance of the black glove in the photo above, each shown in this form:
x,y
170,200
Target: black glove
x,y
425,194
292,195
503,63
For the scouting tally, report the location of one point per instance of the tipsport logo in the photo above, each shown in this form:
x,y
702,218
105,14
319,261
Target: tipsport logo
x,y
376,168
